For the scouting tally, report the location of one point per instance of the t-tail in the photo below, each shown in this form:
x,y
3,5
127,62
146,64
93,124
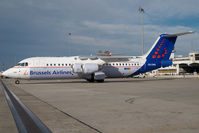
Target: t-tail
x,y
159,54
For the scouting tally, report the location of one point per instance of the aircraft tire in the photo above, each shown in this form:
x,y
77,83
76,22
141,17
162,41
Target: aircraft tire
x,y
17,82
90,80
100,81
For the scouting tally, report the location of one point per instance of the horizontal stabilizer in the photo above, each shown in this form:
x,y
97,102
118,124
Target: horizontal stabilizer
x,y
177,34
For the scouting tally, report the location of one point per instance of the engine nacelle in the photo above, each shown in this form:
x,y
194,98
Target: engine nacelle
x,y
166,63
89,68
77,68
99,76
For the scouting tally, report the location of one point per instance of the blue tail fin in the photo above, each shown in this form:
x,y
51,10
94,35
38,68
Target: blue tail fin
x,y
159,54
162,49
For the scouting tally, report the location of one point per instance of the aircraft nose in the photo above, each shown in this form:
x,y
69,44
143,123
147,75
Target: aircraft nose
x,y
8,73
5,73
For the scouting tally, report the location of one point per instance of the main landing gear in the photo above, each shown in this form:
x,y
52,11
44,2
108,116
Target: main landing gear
x,y
92,79
17,81
100,81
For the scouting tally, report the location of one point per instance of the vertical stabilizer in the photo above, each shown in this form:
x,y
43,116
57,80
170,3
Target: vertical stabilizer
x,y
159,54
162,48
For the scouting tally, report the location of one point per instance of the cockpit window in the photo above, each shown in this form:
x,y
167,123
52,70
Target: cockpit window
x,y
19,64
23,64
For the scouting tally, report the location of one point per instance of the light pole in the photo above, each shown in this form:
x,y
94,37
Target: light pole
x,y
69,46
141,10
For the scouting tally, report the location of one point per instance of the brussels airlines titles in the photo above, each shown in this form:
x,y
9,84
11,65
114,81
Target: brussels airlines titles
x,y
61,72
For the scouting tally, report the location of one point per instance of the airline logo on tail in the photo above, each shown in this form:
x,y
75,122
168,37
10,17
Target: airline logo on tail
x,y
162,49
157,53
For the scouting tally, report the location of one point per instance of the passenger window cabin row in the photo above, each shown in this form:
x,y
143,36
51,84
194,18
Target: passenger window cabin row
x,y
59,64
106,64
68,64
121,64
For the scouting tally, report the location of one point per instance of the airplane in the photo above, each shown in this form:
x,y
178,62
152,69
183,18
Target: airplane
x,y
96,68
105,53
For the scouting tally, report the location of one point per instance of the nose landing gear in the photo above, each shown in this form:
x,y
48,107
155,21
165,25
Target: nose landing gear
x,y
17,81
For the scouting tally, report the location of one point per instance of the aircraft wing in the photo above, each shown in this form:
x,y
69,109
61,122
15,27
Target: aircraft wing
x,y
110,58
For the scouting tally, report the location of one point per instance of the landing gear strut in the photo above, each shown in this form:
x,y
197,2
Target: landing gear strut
x,y
91,79
17,81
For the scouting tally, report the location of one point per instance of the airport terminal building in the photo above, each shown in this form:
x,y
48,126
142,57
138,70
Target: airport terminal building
x,y
181,65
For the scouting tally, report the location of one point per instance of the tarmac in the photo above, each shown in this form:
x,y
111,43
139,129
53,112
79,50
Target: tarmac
x,y
150,105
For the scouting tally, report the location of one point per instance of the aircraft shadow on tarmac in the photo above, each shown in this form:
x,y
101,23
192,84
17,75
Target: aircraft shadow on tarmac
x,y
85,82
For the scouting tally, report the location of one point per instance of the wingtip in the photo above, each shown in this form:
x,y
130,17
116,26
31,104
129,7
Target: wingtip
x,y
177,34
191,32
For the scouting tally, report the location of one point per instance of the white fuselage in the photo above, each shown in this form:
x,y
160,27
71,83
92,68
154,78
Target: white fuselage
x,y
62,67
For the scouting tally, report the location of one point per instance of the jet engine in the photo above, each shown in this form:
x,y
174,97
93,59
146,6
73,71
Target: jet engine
x,y
87,68
77,68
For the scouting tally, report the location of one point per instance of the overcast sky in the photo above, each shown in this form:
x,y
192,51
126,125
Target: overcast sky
x,y
41,27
